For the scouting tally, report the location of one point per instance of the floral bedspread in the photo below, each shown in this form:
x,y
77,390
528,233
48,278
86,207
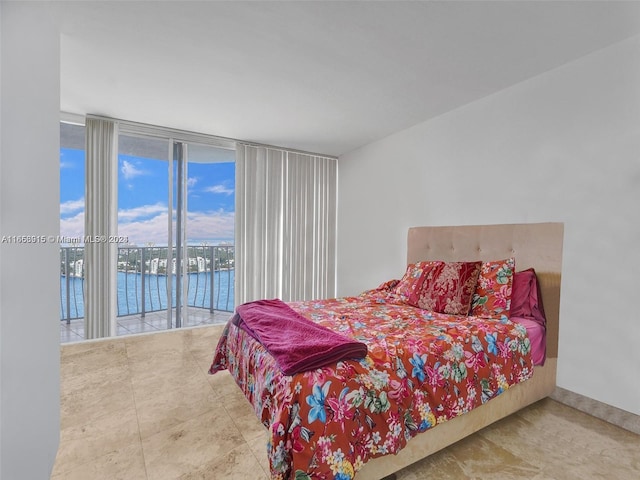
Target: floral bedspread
x,y
423,368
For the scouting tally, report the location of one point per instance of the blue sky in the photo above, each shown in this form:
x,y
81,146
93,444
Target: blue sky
x,y
143,197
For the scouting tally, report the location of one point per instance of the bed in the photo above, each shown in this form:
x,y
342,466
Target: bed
x,y
429,377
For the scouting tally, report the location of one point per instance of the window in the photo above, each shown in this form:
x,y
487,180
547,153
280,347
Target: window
x,y
175,230
72,172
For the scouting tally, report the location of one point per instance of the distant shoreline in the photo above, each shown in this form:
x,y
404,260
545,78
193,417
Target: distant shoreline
x,y
155,274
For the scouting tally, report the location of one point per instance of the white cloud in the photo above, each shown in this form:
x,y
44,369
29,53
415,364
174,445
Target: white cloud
x,y
211,227
205,226
130,214
219,189
151,230
201,226
192,181
71,206
72,226
129,170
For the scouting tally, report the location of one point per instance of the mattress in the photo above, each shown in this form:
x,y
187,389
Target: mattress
x,y
537,334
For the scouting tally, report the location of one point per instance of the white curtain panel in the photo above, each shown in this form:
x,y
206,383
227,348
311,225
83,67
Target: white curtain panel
x,y
100,255
285,224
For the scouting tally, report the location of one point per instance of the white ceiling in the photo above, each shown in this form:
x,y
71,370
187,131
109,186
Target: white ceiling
x,y
324,77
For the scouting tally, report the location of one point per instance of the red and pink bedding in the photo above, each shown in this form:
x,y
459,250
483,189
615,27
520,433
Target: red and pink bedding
x,y
421,368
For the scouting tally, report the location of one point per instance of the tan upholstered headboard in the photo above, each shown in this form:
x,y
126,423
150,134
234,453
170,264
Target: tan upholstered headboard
x,y
537,245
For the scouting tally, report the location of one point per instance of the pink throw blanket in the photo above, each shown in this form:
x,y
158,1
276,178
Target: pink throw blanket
x,y
296,343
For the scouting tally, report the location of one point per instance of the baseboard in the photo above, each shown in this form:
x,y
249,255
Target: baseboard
x,y
616,416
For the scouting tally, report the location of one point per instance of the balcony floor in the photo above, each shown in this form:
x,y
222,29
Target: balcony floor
x,y
151,322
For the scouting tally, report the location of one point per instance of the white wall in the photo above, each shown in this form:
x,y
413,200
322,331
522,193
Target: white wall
x,y
563,146
29,274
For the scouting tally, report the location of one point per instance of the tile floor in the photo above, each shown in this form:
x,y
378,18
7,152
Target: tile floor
x,y
143,407
151,322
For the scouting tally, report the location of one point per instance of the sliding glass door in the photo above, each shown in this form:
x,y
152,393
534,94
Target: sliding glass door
x,y
143,221
176,215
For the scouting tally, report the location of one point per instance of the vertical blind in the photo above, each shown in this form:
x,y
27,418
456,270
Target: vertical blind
x,y
285,224
101,200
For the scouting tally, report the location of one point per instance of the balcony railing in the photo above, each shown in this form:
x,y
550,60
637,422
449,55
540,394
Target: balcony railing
x,y
142,279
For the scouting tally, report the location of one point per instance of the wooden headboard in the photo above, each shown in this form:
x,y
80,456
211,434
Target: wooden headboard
x,y
537,245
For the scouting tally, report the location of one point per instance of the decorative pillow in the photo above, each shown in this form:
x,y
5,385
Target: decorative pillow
x,y
492,298
526,299
448,287
408,287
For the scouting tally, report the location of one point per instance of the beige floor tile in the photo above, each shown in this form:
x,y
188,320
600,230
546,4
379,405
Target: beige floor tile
x,y
222,383
241,411
259,449
203,359
81,369
584,441
156,376
186,399
544,448
238,464
207,333
126,463
80,444
480,458
160,344
440,466
190,445
88,402
84,357
206,336
162,363
203,348
92,347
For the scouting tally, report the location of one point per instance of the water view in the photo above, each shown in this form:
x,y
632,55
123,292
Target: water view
x,y
132,296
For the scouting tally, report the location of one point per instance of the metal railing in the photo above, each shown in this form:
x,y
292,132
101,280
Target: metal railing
x,y
142,279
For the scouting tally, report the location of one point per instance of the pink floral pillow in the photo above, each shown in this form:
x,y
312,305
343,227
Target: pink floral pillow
x,y
408,287
492,298
448,287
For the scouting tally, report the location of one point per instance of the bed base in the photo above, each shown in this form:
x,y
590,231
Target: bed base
x,y
539,386
536,245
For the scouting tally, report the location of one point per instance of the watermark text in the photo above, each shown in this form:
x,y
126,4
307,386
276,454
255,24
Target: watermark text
x,y
62,239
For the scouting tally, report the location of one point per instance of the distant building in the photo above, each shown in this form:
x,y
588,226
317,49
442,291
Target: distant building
x,y
77,268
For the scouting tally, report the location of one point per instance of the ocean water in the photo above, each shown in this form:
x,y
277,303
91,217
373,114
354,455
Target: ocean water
x,y
131,294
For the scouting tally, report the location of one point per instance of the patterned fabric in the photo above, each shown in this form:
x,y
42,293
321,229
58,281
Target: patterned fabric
x,y
423,368
492,298
448,287
409,286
